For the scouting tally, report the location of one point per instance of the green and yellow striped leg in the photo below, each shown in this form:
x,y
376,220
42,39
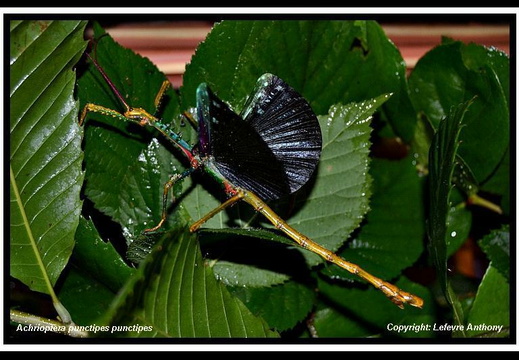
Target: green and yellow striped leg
x,y
396,295
169,184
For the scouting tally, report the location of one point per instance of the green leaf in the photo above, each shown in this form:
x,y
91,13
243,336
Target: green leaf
x,y
328,62
453,73
499,183
442,155
464,179
497,247
251,257
490,313
332,207
245,275
216,235
142,246
355,312
391,238
98,258
282,306
421,143
459,222
84,296
176,295
45,149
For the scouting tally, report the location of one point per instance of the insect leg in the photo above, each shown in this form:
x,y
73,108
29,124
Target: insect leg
x,y
397,296
101,110
233,199
160,96
169,184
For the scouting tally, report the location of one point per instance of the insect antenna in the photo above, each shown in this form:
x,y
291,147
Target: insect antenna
x,y
109,82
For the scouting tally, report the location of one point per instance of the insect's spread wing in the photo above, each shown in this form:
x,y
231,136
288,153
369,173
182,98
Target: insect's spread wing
x,y
289,127
238,151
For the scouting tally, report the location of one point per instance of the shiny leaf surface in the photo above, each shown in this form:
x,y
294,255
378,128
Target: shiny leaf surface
x,y
45,149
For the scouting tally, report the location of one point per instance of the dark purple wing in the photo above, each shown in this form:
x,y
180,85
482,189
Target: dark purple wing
x,y
289,127
237,150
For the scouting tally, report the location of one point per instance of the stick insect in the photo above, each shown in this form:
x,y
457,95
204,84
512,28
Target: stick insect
x,y
266,152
